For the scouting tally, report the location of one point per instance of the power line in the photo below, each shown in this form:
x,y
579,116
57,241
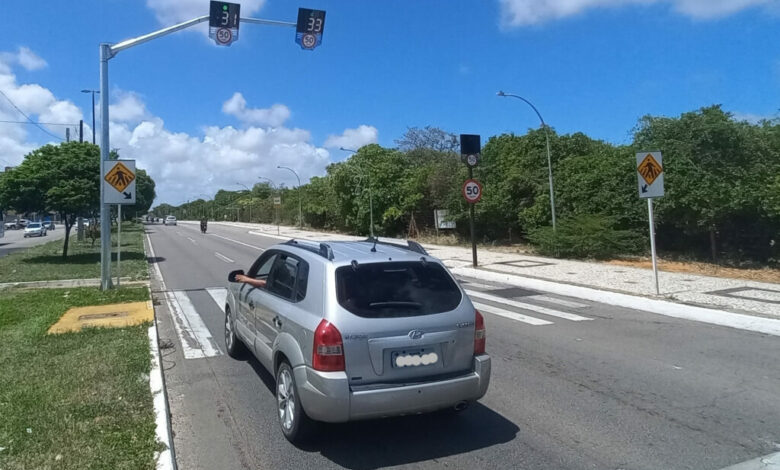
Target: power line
x,y
28,117
44,123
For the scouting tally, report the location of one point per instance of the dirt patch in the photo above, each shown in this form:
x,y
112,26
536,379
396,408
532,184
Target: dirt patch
x,y
705,269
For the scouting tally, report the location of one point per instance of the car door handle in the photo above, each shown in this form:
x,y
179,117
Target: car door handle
x,y
277,322
251,304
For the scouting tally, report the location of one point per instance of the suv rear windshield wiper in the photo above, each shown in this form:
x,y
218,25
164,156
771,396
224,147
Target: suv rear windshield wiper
x,y
395,304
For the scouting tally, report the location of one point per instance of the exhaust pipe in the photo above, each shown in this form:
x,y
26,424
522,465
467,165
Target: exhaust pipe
x,y
460,406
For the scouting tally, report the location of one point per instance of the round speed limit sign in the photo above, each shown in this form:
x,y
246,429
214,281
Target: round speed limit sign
x,y
472,191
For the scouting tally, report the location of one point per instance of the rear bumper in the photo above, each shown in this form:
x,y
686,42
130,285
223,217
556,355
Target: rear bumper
x,y
326,396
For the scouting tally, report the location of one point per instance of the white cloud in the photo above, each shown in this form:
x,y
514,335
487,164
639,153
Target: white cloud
x,y
526,12
273,116
753,118
24,57
129,108
353,138
36,102
169,12
184,166
29,60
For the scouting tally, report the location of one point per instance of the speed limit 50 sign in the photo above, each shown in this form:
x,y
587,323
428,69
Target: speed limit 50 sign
x,y
472,191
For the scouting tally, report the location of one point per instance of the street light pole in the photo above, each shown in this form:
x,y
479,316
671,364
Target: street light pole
x,y
250,200
93,111
370,194
549,161
300,196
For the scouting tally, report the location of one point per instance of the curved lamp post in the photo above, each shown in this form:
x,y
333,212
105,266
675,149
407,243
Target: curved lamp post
x,y
370,194
250,200
547,138
300,196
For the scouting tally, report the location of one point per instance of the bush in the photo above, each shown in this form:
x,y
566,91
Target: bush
x,y
586,236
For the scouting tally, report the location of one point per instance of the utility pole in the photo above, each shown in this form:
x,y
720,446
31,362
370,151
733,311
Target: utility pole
x,y
93,109
300,196
81,130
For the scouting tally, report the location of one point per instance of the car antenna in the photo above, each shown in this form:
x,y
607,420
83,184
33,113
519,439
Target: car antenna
x,y
354,265
373,248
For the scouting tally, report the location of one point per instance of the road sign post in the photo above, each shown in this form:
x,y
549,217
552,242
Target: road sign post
x,y
472,190
650,176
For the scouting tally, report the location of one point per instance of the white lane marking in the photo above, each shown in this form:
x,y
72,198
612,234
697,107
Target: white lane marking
x,y
240,243
223,257
219,294
155,265
511,315
767,462
553,300
713,316
482,286
179,234
194,335
192,240
527,306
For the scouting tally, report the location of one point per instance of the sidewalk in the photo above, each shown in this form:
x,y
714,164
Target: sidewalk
x,y
733,295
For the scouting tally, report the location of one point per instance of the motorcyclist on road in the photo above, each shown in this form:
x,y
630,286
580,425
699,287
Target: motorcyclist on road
x,y
203,225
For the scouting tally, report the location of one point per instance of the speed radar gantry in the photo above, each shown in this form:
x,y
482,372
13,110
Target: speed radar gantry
x,y
225,17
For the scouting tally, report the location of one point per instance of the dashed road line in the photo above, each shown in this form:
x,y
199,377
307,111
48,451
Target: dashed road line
x,y
557,301
240,243
223,257
511,315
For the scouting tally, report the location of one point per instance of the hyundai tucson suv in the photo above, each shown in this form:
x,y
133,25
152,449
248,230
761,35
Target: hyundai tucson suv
x,y
357,330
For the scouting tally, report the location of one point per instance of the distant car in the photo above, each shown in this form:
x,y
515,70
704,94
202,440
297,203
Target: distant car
x,y
10,226
49,225
170,220
34,229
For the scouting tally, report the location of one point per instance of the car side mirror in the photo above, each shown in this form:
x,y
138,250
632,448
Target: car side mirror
x,y
233,274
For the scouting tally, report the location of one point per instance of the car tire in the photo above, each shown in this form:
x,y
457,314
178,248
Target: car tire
x,y
296,425
235,347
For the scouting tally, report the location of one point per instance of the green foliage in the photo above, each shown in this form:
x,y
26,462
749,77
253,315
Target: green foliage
x,y
586,236
145,193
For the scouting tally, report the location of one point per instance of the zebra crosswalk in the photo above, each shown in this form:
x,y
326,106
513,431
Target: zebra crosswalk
x,y
198,342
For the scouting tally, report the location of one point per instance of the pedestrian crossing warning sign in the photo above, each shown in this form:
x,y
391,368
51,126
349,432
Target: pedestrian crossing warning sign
x,y
650,169
120,177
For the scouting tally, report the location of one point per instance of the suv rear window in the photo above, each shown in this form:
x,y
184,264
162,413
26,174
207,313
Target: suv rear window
x,y
398,289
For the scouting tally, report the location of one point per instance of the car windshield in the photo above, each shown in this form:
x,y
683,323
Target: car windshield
x,y
397,289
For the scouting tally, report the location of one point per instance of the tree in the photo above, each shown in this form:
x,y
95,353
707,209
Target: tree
x,y
62,178
428,137
145,193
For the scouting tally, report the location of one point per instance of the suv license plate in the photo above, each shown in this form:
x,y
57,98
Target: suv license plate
x,y
414,358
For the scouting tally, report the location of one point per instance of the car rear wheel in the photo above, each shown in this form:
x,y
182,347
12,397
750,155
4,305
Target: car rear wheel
x,y
296,426
235,348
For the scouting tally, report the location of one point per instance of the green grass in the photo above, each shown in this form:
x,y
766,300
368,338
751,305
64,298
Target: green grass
x,y
45,262
75,400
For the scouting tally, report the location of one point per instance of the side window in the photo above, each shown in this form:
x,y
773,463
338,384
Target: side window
x,y
283,276
262,266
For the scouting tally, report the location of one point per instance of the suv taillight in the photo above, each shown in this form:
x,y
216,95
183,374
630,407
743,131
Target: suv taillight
x,y
328,352
479,333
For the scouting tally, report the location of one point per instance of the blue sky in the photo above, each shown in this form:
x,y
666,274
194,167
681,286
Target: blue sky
x,y
594,66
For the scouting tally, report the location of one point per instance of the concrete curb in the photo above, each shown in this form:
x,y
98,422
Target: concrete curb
x,y
125,281
661,307
166,460
767,462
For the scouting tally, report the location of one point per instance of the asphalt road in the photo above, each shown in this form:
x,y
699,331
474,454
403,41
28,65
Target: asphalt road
x,y
14,240
616,389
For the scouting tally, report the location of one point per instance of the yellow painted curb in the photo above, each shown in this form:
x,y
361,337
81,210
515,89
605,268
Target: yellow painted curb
x,y
104,316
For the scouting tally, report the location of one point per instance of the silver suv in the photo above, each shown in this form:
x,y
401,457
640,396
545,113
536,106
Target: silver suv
x,y
357,330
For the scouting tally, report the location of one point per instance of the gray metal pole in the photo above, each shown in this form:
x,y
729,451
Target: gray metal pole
x,y
105,216
93,103
547,138
370,205
118,243
300,197
652,243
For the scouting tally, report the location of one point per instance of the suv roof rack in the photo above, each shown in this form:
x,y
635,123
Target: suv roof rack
x,y
323,249
410,245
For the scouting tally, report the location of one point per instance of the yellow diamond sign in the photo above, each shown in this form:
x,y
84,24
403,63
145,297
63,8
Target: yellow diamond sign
x,y
650,169
120,177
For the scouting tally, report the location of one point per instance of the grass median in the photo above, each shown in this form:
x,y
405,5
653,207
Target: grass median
x,y
73,400
45,262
